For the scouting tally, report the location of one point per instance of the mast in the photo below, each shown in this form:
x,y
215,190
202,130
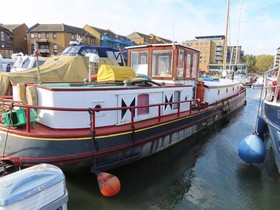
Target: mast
x,y
238,28
226,35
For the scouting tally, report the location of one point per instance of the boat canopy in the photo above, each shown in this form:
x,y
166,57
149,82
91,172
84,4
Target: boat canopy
x,y
114,73
55,69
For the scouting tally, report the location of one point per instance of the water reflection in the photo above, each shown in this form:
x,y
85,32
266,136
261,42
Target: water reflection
x,y
191,175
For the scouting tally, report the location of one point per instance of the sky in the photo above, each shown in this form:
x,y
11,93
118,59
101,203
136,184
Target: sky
x,y
253,24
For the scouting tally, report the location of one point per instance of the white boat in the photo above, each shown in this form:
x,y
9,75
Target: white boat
x,y
271,108
119,118
38,187
25,62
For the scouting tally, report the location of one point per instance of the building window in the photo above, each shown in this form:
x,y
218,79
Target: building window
x,y
55,48
47,35
32,48
2,36
54,35
32,35
39,35
73,36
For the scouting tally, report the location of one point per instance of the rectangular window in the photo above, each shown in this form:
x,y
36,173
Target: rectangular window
x,y
55,48
47,35
2,36
39,35
73,36
188,60
32,35
139,62
194,66
54,35
162,63
180,67
143,100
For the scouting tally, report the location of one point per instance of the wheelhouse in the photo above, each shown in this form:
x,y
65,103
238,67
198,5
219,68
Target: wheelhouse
x,y
165,62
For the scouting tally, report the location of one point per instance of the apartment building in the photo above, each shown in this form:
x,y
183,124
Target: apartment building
x,y
277,57
211,50
13,39
52,39
108,38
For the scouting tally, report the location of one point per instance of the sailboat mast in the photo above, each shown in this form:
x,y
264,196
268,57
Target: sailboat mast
x,y
238,28
226,35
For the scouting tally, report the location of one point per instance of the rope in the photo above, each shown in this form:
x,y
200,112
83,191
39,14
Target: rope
x,y
94,145
7,133
259,109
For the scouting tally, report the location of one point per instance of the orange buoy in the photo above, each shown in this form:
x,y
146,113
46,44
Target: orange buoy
x,y
109,184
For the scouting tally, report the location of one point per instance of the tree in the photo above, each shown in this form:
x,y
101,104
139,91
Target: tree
x,y
251,61
259,63
264,62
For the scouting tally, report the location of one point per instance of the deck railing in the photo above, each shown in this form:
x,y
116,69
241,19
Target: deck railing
x,y
190,104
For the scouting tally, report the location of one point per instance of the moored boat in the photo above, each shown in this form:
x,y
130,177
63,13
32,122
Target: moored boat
x,y
271,108
127,114
252,149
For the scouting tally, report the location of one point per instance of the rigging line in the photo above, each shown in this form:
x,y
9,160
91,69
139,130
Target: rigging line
x,y
259,107
8,129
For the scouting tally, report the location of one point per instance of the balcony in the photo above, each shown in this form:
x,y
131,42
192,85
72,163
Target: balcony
x,y
46,41
44,51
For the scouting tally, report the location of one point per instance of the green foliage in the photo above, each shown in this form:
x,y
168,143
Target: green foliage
x,y
259,63
264,62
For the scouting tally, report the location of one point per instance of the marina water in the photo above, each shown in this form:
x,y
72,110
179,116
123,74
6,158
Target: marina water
x,y
204,175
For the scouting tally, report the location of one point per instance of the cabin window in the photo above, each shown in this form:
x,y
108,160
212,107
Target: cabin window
x,y
139,62
162,63
143,100
194,66
188,61
180,67
177,95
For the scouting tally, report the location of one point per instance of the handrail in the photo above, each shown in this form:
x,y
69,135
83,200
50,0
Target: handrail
x,y
94,110
132,108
